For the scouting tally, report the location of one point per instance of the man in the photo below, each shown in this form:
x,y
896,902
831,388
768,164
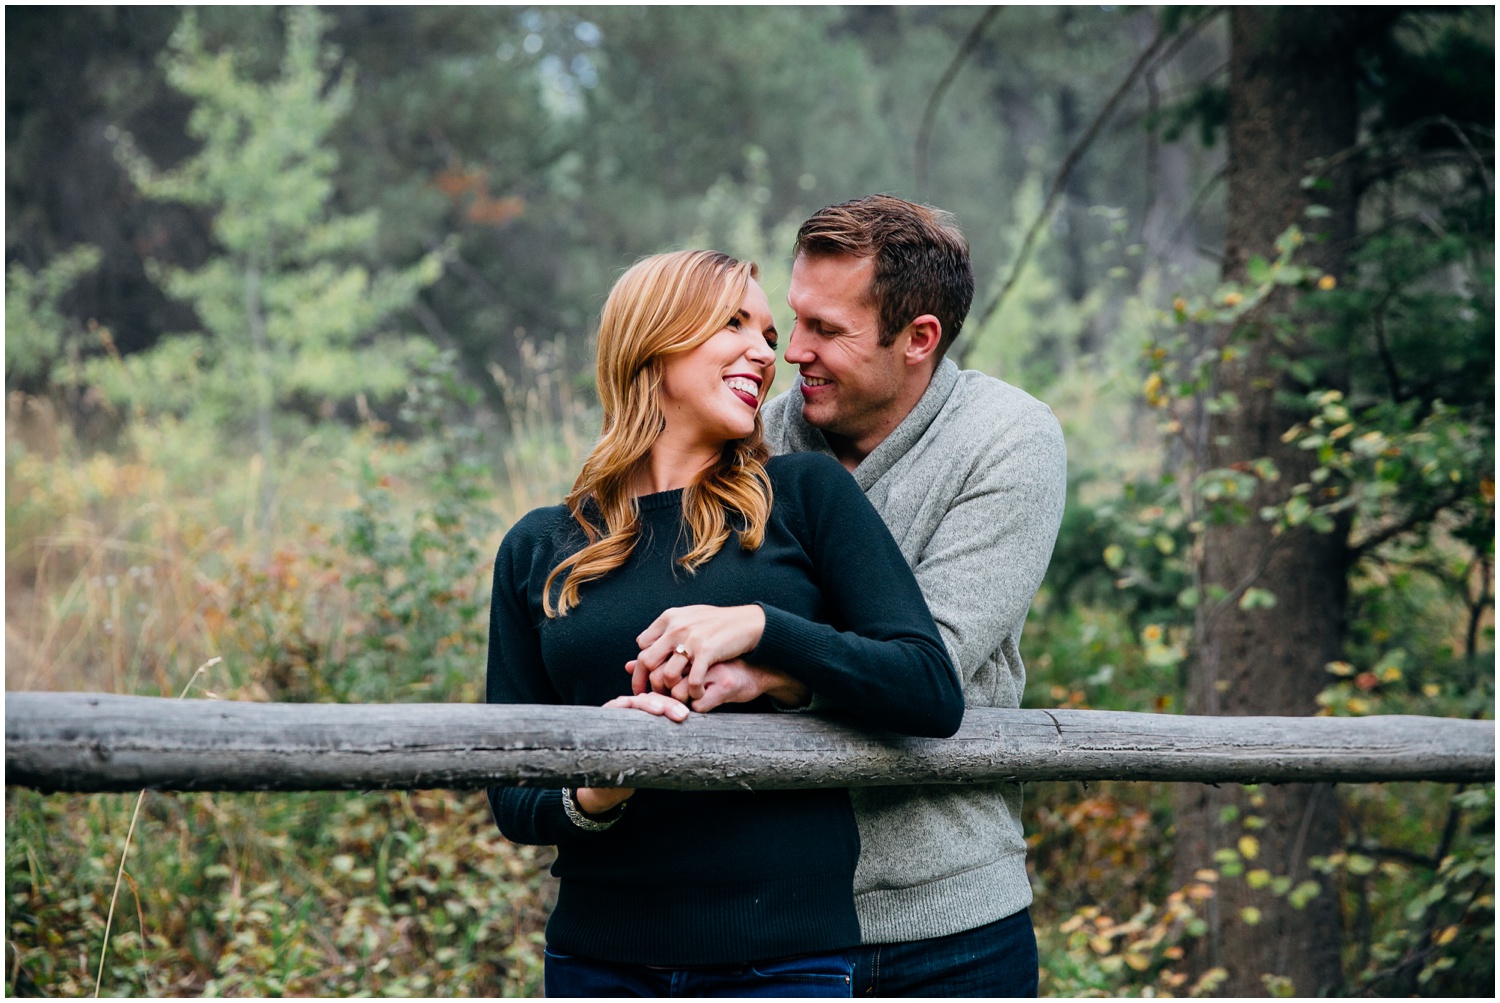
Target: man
x,y
969,473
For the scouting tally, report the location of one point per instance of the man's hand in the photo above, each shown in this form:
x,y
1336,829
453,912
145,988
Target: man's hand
x,y
685,641
737,681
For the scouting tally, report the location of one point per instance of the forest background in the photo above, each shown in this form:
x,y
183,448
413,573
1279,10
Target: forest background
x,y
298,318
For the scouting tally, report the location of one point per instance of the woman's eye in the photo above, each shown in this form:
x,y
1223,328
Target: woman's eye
x,y
734,324
771,341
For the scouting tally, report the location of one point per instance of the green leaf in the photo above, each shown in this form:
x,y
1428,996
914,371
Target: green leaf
x,y
1254,599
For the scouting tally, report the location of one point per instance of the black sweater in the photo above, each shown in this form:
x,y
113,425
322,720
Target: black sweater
x,y
710,878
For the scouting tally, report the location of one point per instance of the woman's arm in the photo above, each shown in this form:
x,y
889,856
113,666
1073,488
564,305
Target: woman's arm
x,y
515,673
888,666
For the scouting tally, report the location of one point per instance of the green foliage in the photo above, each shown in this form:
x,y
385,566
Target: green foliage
x,y
1421,868
1408,477
327,894
37,334
272,895
421,602
288,313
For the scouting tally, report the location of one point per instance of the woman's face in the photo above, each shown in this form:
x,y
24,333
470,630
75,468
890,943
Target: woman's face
x,y
710,394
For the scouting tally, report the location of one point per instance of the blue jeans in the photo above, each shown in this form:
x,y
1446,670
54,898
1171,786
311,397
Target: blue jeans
x,y
820,975
997,959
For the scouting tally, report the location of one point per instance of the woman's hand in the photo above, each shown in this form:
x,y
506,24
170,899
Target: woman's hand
x,y
682,643
659,704
598,800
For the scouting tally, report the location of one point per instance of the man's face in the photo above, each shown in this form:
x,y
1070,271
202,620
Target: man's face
x,y
850,384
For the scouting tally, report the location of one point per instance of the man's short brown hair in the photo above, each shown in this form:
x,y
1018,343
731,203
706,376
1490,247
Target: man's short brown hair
x,y
921,259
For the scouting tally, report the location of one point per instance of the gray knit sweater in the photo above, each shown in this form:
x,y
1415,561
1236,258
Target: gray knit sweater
x,y
971,484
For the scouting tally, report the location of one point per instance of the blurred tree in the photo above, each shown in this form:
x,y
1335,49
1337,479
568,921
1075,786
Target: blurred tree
x,y
37,335
70,73
287,313
1276,588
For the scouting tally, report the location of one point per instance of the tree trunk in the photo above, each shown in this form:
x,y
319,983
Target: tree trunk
x,y
265,397
1292,101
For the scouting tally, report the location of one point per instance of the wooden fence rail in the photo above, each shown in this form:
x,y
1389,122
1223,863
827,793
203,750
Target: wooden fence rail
x,y
96,742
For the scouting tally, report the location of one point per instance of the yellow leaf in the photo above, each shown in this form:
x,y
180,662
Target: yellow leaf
x,y
1445,937
1249,847
1258,878
1137,961
1206,874
1327,282
1250,915
1101,945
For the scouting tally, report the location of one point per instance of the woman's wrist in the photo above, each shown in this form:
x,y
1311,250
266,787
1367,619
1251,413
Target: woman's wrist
x,y
597,801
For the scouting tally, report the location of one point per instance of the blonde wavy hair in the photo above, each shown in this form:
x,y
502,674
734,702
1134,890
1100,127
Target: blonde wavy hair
x,y
665,304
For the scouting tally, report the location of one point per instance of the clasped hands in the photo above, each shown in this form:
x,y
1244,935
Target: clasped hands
x,y
691,655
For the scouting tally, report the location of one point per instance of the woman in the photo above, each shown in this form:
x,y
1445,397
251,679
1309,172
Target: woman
x,y
680,543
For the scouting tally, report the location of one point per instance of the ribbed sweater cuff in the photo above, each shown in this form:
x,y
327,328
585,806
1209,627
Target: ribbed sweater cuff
x,y
789,642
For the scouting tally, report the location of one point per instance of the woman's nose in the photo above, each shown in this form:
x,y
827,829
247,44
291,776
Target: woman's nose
x,y
761,354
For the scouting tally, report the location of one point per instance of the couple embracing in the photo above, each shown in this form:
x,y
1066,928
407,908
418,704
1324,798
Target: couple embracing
x,y
868,542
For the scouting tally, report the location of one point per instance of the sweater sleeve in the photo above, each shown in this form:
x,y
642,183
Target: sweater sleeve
x,y
984,563
884,662
515,673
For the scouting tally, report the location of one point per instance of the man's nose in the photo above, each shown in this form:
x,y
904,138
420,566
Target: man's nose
x,y
796,347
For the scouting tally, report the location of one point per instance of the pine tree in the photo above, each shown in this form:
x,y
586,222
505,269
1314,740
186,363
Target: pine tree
x,y
288,313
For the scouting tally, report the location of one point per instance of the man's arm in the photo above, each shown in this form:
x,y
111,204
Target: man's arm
x,y
982,566
980,570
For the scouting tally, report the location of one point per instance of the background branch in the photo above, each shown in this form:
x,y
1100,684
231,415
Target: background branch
x,y
1146,60
929,114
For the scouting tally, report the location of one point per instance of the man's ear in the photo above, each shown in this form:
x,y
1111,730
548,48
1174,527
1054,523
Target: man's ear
x,y
926,333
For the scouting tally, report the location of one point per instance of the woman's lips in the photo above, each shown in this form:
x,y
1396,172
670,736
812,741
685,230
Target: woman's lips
x,y
746,388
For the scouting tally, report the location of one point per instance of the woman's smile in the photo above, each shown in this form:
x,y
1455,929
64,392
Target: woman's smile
x,y
746,387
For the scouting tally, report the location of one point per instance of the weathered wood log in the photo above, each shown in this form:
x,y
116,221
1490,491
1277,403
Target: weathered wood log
x,y
96,742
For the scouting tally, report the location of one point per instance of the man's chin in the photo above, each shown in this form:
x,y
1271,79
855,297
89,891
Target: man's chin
x,y
817,415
